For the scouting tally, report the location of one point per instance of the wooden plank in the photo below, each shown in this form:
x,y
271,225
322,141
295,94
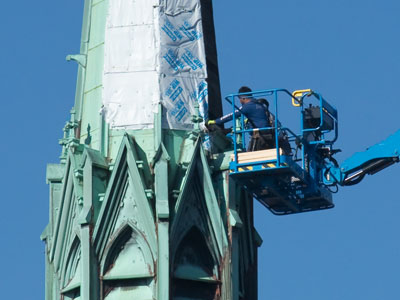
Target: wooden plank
x,y
254,156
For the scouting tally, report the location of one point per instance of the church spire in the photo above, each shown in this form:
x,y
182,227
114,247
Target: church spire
x,y
141,205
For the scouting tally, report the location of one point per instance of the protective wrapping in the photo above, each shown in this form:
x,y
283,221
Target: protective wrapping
x,y
155,52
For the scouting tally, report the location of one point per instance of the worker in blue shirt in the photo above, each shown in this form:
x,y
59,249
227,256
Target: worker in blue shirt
x,y
258,117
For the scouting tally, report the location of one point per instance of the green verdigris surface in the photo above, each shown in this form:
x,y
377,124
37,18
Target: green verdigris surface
x,y
142,214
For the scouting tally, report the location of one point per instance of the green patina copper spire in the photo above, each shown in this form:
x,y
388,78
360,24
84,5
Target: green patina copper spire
x,y
141,204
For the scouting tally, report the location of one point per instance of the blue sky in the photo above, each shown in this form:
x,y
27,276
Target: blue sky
x,y
347,50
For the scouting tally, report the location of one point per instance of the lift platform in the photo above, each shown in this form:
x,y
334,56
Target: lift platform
x,y
282,182
284,187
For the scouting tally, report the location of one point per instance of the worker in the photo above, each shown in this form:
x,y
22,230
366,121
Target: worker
x,y
258,117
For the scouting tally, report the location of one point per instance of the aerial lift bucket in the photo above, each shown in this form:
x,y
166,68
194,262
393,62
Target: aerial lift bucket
x,y
274,177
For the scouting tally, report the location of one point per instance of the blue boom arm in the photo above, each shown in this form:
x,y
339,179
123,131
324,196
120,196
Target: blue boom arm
x,y
371,161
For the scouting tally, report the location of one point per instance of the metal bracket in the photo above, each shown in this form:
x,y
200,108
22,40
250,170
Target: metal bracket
x,y
79,58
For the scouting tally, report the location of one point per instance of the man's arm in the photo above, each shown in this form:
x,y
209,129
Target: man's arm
x,y
228,117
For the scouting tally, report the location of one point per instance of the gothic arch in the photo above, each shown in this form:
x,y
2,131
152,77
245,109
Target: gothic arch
x,y
195,270
128,266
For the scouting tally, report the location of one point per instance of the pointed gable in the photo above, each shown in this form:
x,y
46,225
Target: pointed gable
x,y
66,226
198,205
124,236
125,203
198,238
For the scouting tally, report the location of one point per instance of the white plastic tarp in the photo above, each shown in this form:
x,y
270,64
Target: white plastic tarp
x,y
154,53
